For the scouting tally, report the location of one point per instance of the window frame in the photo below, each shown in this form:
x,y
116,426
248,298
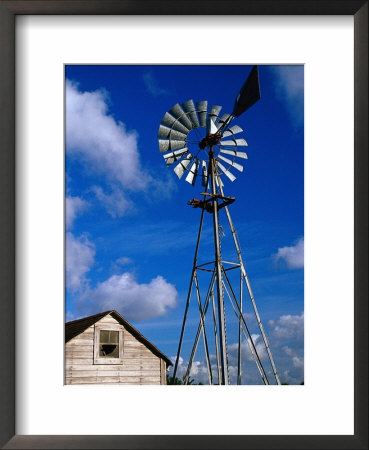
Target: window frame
x,y
108,327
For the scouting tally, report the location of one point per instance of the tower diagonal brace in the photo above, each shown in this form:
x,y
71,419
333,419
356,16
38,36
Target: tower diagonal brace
x,y
202,322
196,342
253,349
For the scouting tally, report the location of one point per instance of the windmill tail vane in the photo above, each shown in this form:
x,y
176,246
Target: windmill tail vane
x,y
211,156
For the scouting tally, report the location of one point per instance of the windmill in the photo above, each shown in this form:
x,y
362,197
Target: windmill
x,y
212,156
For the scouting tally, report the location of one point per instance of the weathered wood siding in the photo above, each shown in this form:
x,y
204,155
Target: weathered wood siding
x,y
140,365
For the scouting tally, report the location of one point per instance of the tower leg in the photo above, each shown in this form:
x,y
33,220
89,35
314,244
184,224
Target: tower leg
x,y
189,295
216,337
239,362
244,275
218,271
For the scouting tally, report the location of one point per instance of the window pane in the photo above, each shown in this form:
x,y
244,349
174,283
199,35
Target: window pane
x,y
109,337
104,336
113,337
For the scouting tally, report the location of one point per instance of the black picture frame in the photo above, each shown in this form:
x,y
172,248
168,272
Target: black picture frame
x,y
8,11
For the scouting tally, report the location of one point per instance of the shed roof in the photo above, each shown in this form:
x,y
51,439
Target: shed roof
x,y
76,327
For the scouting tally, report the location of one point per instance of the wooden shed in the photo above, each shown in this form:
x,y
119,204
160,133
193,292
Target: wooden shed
x,y
106,349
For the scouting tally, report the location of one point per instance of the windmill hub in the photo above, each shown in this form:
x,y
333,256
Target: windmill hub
x,y
210,140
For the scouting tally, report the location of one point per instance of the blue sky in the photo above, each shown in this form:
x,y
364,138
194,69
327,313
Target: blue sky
x,y
130,235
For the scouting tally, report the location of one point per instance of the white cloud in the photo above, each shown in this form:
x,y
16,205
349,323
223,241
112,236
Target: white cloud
x,y
293,256
289,87
298,362
246,352
199,370
104,146
124,260
286,339
287,327
73,207
80,254
198,373
102,143
116,204
289,351
152,85
133,300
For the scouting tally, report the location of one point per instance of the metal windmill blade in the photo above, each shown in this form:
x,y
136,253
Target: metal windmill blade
x,y
232,131
193,156
173,137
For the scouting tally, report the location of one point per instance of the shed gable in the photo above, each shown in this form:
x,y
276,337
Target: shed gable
x,y
137,363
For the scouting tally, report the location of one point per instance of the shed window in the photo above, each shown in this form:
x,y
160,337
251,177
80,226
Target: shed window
x,y
109,344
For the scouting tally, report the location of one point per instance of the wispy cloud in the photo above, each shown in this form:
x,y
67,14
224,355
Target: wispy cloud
x,y
246,351
115,202
133,300
287,336
152,85
148,237
73,207
287,327
124,260
289,88
80,257
293,256
199,370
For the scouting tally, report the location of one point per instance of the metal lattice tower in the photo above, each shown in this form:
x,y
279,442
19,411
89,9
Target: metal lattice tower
x,y
211,156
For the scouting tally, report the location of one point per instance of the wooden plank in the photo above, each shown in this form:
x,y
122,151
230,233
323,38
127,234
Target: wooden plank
x,y
129,337
139,361
81,342
83,357
108,379
150,367
132,349
75,350
127,358
96,367
139,380
112,368
93,374
108,319
80,348
112,381
80,372
82,381
88,356
81,361
135,373
133,343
